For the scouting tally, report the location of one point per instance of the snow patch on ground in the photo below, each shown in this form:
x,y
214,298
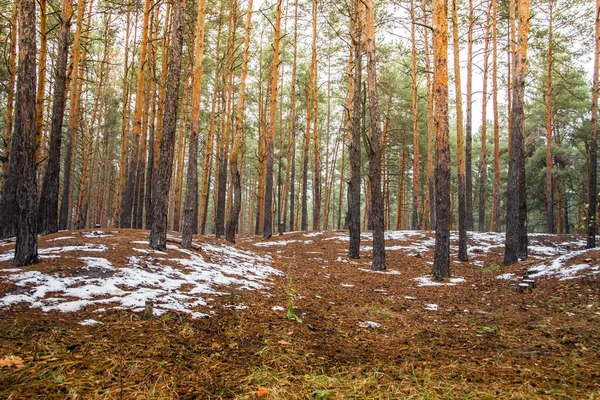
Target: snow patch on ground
x,y
557,267
506,276
99,283
384,272
282,243
426,281
369,324
432,307
90,322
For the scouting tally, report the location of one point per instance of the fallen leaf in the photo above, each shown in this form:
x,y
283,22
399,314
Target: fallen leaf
x,y
262,392
12,361
283,342
215,345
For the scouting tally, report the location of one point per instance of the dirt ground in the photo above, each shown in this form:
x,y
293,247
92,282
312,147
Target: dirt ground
x,y
362,335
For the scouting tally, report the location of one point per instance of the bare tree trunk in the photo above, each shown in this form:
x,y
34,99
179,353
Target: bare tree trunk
x,y
239,129
549,122
375,144
48,204
460,145
441,260
516,215
483,151
415,120
12,70
353,218
496,193
469,126
41,85
429,216
65,205
158,234
21,168
592,222
268,214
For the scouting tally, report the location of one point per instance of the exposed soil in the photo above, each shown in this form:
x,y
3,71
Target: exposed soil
x,y
362,335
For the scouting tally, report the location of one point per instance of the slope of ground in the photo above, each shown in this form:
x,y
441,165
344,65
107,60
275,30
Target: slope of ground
x,y
227,320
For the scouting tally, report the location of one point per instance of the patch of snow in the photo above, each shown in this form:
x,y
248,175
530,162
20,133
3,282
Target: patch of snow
x,y
506,276
426,281
277,308
369,324
282,243
61,238
169,288
558,268
346,285
313,234
384,272
432,307
97,234
90,322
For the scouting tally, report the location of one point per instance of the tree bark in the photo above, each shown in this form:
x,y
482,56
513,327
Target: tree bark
x,y
441,261
21,168
460,145
549,122
516,216
158,234
469,122
483,151
10,93
48,203
234,215
429,212
415,121
592,222
496,192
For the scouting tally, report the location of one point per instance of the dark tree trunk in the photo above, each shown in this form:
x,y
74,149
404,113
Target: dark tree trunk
x,y
158,234
592,222
21,167
516,232
48,204
293,181
353,216
441,260
469,126
221,192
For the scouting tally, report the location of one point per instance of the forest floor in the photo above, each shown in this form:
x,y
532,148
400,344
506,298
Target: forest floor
x,y
294,318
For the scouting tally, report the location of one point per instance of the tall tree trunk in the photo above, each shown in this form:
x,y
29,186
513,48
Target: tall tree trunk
x,y
41,84
48,204
316,221
496,193
10,93
353,218
290,173
158,234
375,144
469,122
129,194
415,120
239,129
516,212
21,168
483,151
592,222
549,122
441,260
65,205
460,145
268,214
400,199
429,216
191,194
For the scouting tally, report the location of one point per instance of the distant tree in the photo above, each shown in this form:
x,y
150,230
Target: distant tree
x,y
592,222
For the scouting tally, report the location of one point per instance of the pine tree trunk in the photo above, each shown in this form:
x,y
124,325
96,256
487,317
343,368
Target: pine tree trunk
x,y
496,193
21,168
48,204
415,120
592,222
483,151
10,93
74,102
316,220
516,213
41,84
429,216
158,234
460,145
232,223
353,217
441,260
375,144
469,122
549,122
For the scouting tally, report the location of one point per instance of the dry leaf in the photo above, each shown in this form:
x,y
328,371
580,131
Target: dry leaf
x,y
10,361
283,342
262,392
215,345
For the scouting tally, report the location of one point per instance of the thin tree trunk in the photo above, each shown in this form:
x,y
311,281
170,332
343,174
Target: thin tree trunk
x,y
48,204
10,93
592,222
483,151
441,260
549,122
41,84
516,212
469,122
158,234
375,144
460,145
496,193
429,216
415,120
239,129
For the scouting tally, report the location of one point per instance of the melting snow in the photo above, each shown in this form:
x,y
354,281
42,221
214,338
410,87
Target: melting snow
x,y
385,272
558,268
426,281
277,308
506,276
90,322
98,282
369,324
432,307
282,243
